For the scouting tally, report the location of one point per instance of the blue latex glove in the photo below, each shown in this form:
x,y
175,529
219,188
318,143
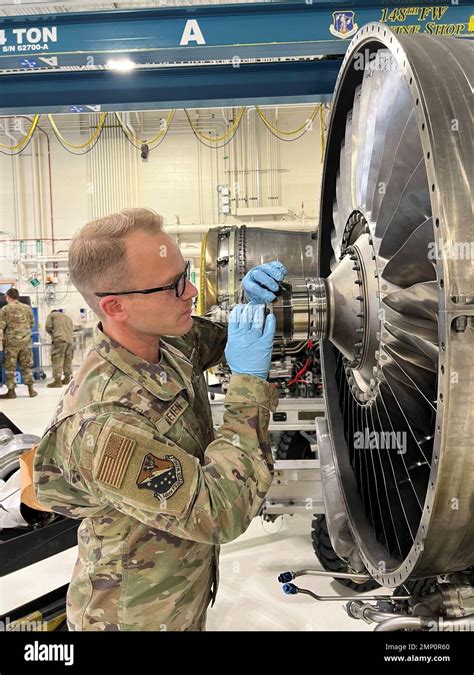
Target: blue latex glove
x,y
249,341
261,280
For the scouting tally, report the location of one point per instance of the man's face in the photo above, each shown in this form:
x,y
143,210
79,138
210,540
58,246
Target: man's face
x,y
155,260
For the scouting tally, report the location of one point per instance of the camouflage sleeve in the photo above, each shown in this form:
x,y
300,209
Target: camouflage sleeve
x,y
3,318
149,478
49,324
210,338
31,317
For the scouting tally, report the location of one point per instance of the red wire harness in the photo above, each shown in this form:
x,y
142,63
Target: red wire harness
x,y
297,377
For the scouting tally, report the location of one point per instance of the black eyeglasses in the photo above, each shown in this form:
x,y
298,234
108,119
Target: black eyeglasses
x,y
179,285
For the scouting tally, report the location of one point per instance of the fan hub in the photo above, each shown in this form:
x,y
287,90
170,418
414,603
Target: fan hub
x,y
349,311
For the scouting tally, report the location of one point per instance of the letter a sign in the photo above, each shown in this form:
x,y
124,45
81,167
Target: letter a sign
x,y
192,33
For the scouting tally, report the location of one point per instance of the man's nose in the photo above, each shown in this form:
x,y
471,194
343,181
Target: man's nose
x,y
190,291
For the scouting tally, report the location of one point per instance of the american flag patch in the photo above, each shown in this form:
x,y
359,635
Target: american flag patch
x,y
117,454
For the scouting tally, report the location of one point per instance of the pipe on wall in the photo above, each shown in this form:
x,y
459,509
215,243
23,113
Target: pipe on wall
x,y
35,188
201,229
17,180
112,168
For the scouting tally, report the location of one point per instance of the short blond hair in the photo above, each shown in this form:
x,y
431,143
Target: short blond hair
x,y
98,255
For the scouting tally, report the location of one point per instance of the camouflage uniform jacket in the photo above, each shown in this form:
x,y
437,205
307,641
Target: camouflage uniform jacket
x,y
16,321
131,450
60,327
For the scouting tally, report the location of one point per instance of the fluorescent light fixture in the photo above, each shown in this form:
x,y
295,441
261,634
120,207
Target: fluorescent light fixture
x,y
122,65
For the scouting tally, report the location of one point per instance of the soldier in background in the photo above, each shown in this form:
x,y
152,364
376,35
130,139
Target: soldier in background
x,y
16,320
60,326
131,449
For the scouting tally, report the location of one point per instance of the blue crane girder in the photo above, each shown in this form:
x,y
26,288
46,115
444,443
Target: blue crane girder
x,y
194,87
76,50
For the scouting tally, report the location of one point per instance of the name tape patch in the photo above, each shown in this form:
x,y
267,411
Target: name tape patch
x,y
173,412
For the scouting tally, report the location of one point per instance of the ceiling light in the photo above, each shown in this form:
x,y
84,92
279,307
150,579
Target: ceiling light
x,y
122,65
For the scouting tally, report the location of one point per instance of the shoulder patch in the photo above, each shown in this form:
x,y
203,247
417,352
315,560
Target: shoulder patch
x,y
115,459
162,476
142,472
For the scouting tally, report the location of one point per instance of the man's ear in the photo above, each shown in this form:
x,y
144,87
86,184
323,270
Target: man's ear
x,y
113,307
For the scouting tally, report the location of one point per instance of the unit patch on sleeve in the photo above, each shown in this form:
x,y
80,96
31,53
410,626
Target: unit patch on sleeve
x,y
117,454
163,476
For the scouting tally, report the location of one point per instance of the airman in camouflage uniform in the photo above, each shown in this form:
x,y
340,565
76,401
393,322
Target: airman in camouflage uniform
x,y
16,321
131,451
60,326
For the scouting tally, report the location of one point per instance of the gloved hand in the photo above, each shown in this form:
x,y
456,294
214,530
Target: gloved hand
x,y
261,280
249,341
